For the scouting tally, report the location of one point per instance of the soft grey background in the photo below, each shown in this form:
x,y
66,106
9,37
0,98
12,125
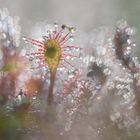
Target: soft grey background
x,y
84,14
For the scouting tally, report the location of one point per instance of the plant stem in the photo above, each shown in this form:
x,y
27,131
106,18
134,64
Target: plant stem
x,y
52,82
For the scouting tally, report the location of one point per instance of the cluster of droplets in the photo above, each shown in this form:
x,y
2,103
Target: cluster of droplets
x,y
9,32
110,78
73,100
9,54
124,45
78,91
9,29
124,81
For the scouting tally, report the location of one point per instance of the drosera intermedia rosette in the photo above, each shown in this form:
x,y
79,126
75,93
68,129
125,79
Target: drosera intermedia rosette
x,y
54,52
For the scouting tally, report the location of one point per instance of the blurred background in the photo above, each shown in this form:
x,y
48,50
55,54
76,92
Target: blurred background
x,y
86,15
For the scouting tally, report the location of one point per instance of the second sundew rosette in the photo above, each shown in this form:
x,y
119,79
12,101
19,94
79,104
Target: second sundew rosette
x,y
54,52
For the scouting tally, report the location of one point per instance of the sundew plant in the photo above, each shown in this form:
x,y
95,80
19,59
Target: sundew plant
x,y
58,82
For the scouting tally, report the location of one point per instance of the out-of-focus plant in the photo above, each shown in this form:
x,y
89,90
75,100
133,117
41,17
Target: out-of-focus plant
x,y
9,66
